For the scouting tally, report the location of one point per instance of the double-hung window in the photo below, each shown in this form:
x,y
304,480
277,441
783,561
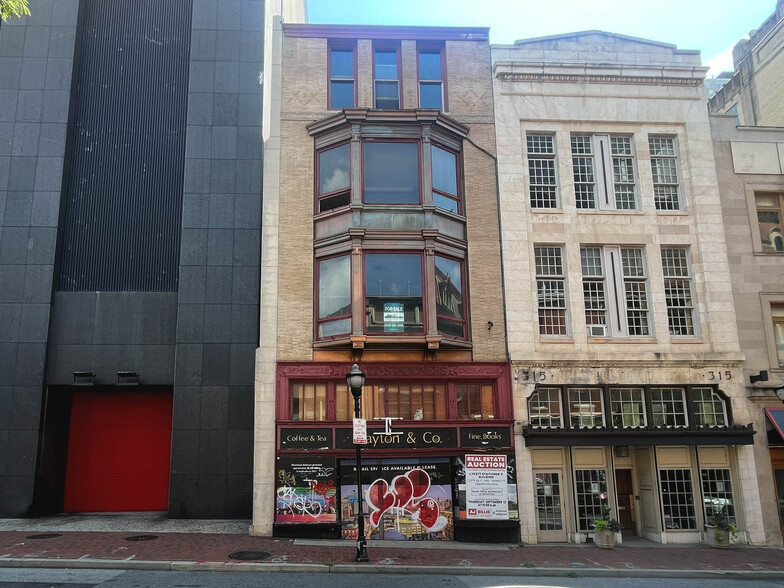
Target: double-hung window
x,y
386,78
664,166
615,291
551,290
542,186
430,65
603,170
769,213
342,86
678,290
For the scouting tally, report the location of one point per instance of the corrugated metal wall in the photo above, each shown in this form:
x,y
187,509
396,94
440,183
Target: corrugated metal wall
x,y
123,198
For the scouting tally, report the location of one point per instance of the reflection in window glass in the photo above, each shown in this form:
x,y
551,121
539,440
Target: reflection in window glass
x,y
677,499
334,177
342,78
777,311
445,179
585,407
309,402
548,499
717,493
769,218
475,401
591,487
334,296
544,408
391,173
708,408
430,80
449,297
393,291
407,401
627,407
386,79
668,407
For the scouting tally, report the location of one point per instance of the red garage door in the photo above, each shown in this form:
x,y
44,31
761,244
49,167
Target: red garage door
x,y
118,452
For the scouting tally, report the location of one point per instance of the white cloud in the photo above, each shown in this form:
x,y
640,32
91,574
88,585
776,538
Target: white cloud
x,y
719,63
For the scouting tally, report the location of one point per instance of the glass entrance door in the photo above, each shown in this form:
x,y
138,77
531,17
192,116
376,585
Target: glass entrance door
x,y
549,508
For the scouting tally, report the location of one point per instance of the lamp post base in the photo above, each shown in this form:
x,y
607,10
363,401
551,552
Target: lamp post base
x,y
362,554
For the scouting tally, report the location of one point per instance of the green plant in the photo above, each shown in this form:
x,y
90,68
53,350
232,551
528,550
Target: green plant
x,y
17,8
721,522
607,523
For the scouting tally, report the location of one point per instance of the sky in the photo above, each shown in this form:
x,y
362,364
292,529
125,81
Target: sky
x,y
711,26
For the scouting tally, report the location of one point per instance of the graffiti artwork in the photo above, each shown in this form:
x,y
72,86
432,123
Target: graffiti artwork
x,y
405,501
306,491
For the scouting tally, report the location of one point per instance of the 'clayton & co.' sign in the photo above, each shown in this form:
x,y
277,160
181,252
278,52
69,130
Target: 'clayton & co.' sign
x,y
402,438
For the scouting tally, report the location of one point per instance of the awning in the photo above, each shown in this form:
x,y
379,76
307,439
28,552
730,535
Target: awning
x,y
776,418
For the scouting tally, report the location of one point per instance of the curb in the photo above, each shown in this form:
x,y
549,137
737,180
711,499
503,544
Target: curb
x,y
199,566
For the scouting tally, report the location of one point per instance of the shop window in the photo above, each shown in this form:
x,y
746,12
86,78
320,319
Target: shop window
x,y
386,79
717,493
586,408
342,88
604,172
591,494
445,179
450,314
677,290
769,212
334,178
542,186
664,166
708,407
614,279
309,402
548,499
677,499
544,409
393,293
669,408
627,407
334,296
430,61
391,172
475,401
415,402
551,290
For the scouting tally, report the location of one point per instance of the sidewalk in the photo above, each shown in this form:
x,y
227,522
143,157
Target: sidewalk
x,y
154,543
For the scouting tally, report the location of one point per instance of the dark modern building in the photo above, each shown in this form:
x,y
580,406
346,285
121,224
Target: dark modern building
x,y
130,195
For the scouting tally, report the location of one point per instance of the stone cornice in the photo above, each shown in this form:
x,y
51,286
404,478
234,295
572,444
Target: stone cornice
x,y
589,73
390,117
730,362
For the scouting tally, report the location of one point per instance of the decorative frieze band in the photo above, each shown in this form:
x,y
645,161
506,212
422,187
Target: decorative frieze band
x,y
597,79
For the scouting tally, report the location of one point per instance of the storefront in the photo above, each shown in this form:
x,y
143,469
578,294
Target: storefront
x,y
439,464
662,459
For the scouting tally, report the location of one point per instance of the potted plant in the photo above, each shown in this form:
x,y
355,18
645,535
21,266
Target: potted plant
x,y
720,531
605,529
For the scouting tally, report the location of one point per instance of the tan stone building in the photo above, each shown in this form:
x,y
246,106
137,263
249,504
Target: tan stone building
x,y
381,247
628,383
753,94
750,163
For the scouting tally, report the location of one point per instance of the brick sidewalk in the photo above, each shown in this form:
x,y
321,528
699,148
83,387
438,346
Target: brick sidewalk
x,y
199,549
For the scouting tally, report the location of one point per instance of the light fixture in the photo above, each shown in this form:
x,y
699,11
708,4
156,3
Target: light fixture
x,y
83,378
127,378
355,380
762,376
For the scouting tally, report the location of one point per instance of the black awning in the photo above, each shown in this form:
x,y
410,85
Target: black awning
x,y
776,418
737,435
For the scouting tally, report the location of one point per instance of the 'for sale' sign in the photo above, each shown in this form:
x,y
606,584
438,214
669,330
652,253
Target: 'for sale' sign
x,y
486,489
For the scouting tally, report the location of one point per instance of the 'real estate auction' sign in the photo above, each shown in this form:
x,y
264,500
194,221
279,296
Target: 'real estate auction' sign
x,y
486,487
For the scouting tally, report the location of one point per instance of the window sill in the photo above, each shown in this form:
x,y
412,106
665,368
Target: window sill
x,y
608,340
626,211
362,341
672,212
547,210
686,340
555,339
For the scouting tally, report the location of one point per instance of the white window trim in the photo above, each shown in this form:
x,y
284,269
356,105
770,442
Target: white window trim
x,y
604,175
751,203
564,277
616,317
767,300
553,157
690,279
680,184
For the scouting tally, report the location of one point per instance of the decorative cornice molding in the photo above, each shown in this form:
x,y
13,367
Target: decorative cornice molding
x,y
425,370
598,79
621,363
396,33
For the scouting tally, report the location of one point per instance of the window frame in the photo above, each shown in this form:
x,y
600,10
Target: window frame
x,y
317,179
559,278
395,140
685,282
432,48
778,210
547,405
602,160
423,286
388,48
534,155
457,198
580,415
617,309
623,402
317,280
341,46
463,302
679,201
684,403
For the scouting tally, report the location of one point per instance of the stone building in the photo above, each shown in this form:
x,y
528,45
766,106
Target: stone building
x,y
753,93
628,380
381,247
130,216
750,164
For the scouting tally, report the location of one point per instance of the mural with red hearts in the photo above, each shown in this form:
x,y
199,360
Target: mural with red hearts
x,y
406,494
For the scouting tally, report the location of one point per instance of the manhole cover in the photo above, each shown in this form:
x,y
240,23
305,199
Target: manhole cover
x,y
44,536
141,538
249,555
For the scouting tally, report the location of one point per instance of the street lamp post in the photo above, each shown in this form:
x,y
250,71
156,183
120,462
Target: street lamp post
x,y
355,380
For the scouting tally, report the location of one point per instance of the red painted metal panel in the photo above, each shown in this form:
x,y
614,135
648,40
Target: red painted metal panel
x,y
118,452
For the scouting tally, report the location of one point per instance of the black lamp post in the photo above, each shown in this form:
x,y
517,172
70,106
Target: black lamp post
x,y
355,380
